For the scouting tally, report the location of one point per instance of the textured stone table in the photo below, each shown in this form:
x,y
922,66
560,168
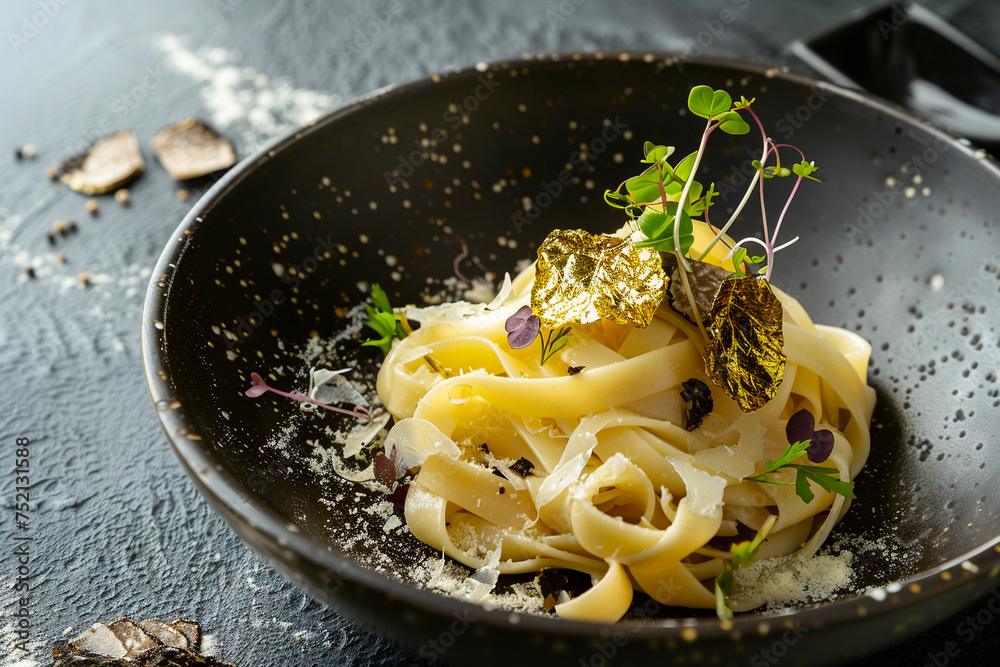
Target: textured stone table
x,y
116,527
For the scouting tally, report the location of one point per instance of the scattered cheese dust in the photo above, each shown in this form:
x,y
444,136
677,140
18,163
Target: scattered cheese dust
x,y
792,580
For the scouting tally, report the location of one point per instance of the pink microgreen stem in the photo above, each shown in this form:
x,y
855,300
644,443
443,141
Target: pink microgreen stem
x,y
749,192
258,388
788,202
458,260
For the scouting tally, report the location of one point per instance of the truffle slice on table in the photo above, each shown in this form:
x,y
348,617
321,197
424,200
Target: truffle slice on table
x,y
165,633
191,149
102,640
127,643
191,630
133,638
109,164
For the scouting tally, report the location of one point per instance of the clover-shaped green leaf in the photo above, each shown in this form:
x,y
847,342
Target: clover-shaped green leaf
x,y
732,123
707,103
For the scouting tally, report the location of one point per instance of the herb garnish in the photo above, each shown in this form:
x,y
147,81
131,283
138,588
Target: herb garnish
x,y
739,555
523,328
817,446
258,388
384,320
666,201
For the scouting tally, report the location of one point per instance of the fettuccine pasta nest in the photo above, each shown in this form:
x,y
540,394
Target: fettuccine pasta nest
x,y
617,487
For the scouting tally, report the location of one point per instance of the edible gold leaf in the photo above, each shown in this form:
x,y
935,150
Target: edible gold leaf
x,y
705,280
743,354
583,277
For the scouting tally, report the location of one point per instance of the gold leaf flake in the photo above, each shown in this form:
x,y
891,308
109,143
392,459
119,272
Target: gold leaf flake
x,y
582,277
743,355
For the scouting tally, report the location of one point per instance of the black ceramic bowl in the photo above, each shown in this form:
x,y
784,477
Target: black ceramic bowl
x,y
899,243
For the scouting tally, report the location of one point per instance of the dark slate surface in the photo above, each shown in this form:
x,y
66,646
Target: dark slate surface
x,y
117,528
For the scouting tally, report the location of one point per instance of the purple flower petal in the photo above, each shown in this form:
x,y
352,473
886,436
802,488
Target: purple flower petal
x,y
522,328
257,386
821,447
802,426
385,470
398,497
517,320
521,339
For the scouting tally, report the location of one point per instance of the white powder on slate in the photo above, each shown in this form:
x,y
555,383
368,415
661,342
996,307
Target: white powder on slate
x,y
242,99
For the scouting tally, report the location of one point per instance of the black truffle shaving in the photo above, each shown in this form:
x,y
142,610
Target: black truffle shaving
x,y
551,581
698,403
522,467
705,281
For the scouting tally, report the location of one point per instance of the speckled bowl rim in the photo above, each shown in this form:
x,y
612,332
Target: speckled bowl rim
x,y
973,568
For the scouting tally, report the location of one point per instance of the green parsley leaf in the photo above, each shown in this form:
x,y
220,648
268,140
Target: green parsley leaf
x,y
824,476
792,452
741,554
802,487
381,299
383,321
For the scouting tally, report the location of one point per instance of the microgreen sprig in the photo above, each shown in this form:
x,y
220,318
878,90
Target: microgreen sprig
x,y
384,320
258,387
665,199
554,341
523,327
821,475
739,555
